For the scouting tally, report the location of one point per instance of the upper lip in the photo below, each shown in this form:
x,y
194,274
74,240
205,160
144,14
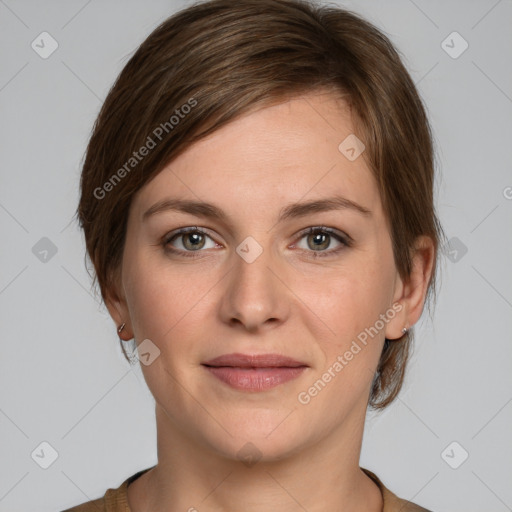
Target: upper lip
x,y
254,361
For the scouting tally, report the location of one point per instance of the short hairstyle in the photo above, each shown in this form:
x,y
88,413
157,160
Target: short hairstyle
x,y
216,60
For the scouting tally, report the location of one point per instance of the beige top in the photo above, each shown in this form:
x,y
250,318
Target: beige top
x,y
116,500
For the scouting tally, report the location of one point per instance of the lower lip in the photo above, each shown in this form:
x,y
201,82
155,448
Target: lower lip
x,y
255,379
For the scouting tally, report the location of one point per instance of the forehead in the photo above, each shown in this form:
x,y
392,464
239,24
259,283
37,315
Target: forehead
x,y
267,158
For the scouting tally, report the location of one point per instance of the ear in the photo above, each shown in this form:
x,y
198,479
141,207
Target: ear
x,y
411,294
118,309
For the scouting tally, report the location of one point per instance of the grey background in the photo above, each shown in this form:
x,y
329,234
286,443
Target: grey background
x,y
63,379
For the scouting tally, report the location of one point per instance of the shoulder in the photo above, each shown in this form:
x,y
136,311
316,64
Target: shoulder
x,y
97,505
393,503
114,500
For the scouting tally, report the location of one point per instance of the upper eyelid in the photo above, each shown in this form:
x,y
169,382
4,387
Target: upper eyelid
x,y
345,238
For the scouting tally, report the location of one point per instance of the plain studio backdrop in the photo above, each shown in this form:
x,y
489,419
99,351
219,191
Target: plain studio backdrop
x,y
66,390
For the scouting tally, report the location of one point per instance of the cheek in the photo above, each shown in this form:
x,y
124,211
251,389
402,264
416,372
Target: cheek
x,y
157,296
351,305
169,302
165,307
351,298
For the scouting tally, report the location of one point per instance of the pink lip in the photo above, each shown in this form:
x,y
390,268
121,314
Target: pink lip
x,y
254,361
254,372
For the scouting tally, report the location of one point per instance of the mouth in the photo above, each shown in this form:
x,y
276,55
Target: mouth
x,y
254,372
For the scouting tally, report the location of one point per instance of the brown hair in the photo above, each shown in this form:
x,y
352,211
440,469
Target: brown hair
x,y
217,60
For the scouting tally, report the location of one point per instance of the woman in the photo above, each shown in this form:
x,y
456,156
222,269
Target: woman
x,y
257,201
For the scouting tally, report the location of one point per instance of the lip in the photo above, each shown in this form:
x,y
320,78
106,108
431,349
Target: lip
x,y
257,372
254,361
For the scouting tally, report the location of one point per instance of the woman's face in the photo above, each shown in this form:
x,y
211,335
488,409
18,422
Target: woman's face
x,y
253,281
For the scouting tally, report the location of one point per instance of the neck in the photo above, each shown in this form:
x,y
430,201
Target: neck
x,y
322,476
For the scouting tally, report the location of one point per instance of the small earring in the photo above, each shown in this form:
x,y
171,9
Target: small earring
x,y
121,327
404,330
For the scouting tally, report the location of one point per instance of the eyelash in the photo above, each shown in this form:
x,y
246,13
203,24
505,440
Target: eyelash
x,y
346,241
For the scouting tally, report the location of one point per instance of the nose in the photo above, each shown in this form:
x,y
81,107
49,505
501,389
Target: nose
x,y
255,297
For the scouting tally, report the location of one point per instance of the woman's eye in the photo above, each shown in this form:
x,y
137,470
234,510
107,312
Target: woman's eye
x,y
319,241
190,239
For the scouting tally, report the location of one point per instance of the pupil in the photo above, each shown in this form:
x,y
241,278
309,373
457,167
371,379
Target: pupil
x,y
320,238
193,240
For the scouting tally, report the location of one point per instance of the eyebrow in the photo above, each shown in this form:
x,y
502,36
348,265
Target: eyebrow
x,y
291,211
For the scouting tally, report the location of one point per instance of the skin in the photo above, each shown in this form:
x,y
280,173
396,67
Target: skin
x,y
285,302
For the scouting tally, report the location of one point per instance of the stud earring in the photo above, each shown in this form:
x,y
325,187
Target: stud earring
x,y
404,330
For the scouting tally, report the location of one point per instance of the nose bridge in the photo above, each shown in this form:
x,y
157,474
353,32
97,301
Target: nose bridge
x,y
254,295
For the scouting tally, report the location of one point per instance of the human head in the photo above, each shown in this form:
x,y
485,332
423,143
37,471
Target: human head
x,y
214,62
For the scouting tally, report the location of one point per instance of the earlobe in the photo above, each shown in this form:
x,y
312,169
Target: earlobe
x,y
397,313
413,292
397,326
119,312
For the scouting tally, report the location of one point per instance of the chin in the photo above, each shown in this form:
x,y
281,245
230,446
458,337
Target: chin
x,y
259,436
